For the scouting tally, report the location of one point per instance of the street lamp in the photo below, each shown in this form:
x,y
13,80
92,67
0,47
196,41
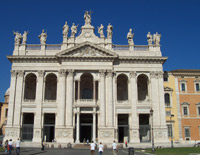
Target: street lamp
x,y
171,131
152,139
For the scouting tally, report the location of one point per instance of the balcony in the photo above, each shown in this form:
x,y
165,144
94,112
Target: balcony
x,y
86,103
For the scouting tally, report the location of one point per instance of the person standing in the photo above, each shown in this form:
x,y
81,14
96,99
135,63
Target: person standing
x,y
10,143
6,146
100,148
114,146
92,148
18,146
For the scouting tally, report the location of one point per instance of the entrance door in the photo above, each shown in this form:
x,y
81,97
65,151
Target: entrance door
x,y
123,128
86,127
49,127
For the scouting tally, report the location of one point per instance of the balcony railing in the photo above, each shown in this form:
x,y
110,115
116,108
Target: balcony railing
x,y
121,47
33,47
86,102
53,47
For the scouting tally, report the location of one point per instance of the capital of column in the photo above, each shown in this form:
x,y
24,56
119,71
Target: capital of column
x,y
70,72
132,74
160,74
153,74
40,73
13,73
62,72
102,73
109,73
20,73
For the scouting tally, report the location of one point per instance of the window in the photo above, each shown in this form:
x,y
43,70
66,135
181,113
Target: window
x,y
187,133
197,86
168,113
170,131
185,111
6,112
167,100
182,86
165,79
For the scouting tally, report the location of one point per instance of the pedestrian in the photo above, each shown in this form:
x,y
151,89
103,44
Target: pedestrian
x,y
87,141
10,143
92,148
18,147
6,146
126,143
114,146
100,148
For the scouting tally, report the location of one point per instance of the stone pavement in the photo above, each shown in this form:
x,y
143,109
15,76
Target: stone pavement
x,y
37,151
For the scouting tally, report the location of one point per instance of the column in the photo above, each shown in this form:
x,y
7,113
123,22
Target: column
x,y
18,100
79,87
102,99
77,125
12,92
154,99
94,126
38,113
94,90
69,100
110,99
134,100
61,97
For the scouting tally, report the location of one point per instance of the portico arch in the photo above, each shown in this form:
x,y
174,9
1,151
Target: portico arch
x,y
122,87
50,87
142,83
86,86
30,86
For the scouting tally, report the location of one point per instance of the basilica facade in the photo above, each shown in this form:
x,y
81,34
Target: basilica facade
x,y
87,88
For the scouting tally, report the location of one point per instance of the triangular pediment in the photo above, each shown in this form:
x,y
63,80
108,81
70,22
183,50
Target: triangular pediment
x,y
86,50
168,89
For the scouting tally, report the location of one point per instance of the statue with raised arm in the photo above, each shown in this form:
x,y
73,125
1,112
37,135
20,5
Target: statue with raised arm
x,y
24,37
65,30
100,30
109,31
130,36
73,30
149,38
18,37
87,18
43,37
156,39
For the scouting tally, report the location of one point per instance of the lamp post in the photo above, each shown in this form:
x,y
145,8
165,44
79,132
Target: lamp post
x,y
152,139
171,131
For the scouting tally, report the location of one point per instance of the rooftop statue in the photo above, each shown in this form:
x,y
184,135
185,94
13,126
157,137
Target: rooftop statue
x,y
65,30
73,30
100,30
156,39
87,18
18,37
149,38
25,37
43,37
109,31
130,36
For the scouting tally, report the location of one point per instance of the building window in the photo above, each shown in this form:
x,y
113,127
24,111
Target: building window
x,y
6,112
167,100
168,113
185,111
187,133
183,87
165,79
197,86
170,131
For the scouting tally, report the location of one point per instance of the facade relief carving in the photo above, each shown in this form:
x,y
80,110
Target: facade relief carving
x,y
63,134
106,134
11,133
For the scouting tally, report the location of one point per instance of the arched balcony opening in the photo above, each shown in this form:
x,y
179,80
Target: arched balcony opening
x,y
50,87
86,86
30,87
122,87
142,83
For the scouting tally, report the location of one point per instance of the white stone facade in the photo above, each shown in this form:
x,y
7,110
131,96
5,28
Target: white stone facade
x,y
89,84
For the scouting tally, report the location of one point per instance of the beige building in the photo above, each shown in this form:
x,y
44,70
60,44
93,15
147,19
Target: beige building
x,y
86,88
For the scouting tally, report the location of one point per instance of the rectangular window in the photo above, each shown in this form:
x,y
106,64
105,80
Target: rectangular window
x,y
165,79
182,86
187,132
197,87
168,113
6,112
185,111
198,110
169,127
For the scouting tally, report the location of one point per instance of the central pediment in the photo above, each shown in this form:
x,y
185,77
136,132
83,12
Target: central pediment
x,y
87,50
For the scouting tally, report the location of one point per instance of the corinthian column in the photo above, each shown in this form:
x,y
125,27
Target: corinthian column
x,y
69,103
18,100
38,114
12,91
110,99
134,132
102,98
61,98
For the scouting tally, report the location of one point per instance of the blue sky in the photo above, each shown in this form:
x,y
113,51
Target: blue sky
x,y
177,20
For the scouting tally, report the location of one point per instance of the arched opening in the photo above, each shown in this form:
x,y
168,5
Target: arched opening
x,y
122,87
142,84
50,87
86,86
30,87
167,100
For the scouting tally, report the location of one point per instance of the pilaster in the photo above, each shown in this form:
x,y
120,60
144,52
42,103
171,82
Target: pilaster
x,y
110,111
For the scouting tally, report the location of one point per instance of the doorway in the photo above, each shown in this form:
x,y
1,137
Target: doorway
x,y
123,128
49,127
86,127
